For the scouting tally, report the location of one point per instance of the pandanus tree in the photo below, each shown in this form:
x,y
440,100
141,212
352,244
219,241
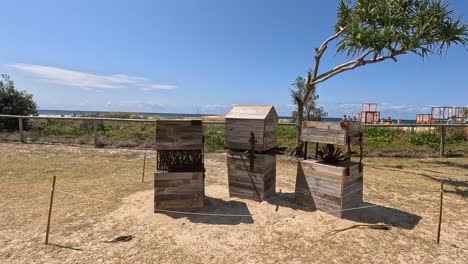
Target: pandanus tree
x,y
373,31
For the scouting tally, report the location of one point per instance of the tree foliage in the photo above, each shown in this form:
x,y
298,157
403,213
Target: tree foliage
x,y
311,111
372,31
14,102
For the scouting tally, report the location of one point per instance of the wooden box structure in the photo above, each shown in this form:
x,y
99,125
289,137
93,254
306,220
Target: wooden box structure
x,y
251,129
369,113
424,119
331,132
441,114
257,184
179,179
243,120
370,117
330,187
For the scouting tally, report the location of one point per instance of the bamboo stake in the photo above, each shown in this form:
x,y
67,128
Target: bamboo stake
x,y
50,210
144,166
440,210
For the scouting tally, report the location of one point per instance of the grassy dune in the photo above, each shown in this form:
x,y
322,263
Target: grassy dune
x,y
142,136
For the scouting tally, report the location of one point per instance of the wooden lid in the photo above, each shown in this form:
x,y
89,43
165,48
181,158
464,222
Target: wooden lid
x,y
251,112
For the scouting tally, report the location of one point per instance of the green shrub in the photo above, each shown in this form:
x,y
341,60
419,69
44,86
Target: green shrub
x,y
14,102
214,137
382,134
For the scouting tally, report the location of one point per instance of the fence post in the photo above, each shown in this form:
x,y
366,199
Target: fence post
x,y
442,141
50,211
144,167
95,133
440,210
20,122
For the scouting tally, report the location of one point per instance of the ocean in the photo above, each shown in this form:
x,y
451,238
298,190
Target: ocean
x,y
46,112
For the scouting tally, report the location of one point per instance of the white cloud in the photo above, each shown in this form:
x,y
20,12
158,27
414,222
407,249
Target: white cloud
x,y
141,105
159,87
88,80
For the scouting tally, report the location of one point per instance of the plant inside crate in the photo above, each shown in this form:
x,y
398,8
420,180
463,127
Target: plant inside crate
x,y
332,155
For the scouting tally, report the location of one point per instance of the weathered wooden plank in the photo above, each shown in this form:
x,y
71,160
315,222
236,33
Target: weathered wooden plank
x,y
160,175
330,133
179,134
177,183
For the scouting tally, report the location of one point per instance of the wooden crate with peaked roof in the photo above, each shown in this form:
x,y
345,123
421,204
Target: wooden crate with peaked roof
x,y
243,120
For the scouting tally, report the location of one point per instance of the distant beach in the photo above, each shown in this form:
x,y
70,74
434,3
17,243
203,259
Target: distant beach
x,y
46,112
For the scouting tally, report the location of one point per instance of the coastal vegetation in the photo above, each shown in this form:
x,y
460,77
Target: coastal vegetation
x,y
139,135
14,102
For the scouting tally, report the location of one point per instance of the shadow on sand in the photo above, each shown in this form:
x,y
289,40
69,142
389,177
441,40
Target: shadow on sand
x,y
371,215
382,214
218,212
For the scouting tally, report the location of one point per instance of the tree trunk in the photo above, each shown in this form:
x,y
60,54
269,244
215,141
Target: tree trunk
x,y
297,150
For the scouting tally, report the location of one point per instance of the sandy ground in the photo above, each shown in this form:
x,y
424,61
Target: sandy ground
x,y
278,231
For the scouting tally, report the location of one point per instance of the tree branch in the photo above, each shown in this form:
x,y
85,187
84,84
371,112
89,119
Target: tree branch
x,y
345,65
358,63
318,55
319,52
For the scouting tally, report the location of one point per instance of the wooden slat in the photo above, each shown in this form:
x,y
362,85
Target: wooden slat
x,y
179,134
161,175
330,132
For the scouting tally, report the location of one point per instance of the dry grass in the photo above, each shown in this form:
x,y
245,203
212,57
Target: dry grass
x,y
279,231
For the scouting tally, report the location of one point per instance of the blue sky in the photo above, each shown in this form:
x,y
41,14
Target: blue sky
x,y
204,56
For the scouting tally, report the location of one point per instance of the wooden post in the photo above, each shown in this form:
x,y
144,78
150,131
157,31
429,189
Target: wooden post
x,y
144,165
442,141
95,133
20,122
440,210
50,210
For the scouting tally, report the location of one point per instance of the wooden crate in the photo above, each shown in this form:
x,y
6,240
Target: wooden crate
x,y
242,120
179,134
179,191
329,188
330,132
257,185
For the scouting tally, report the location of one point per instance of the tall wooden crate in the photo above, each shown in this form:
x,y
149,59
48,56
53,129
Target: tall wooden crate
x,y
257,184
330,187
179,179
251,175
